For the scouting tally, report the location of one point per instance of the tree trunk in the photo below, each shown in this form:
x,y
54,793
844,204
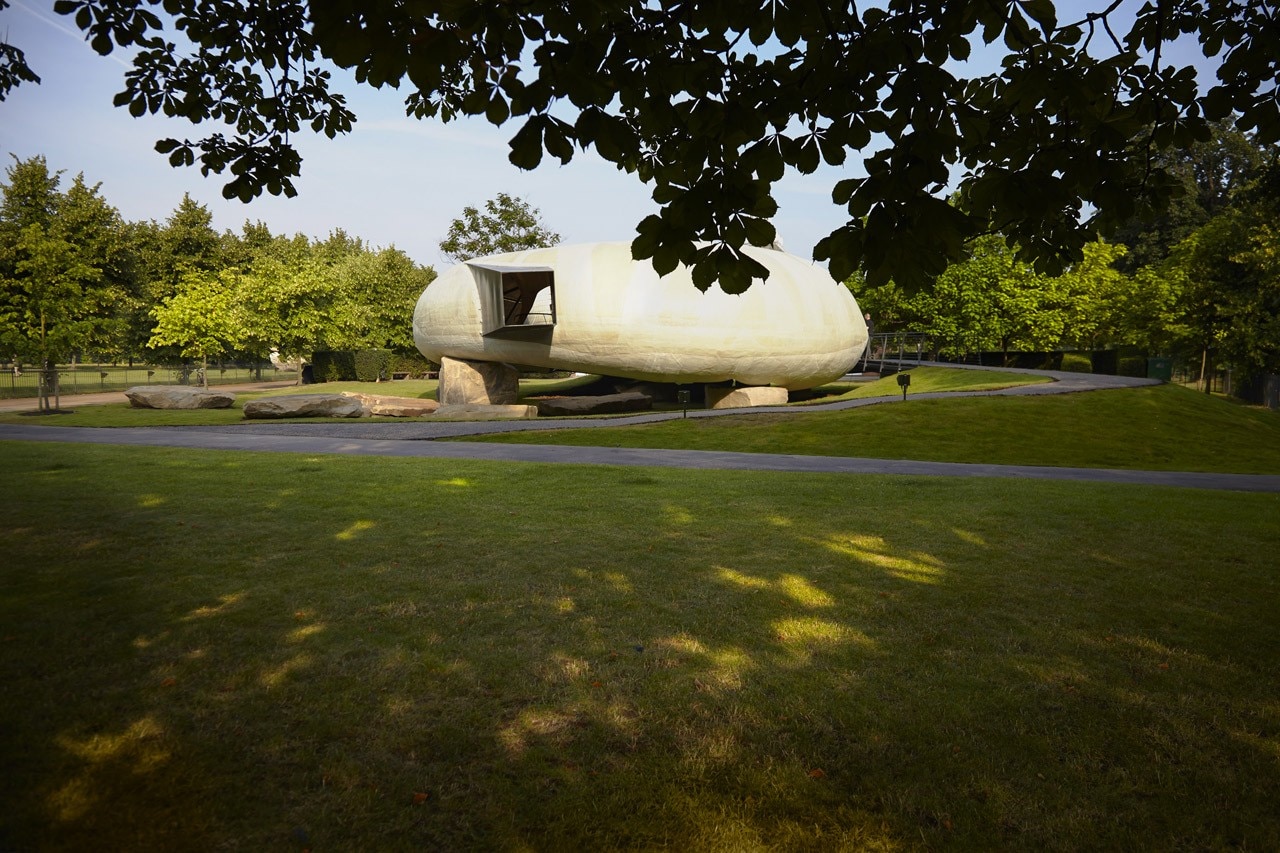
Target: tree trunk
x,y
204,371
1204,365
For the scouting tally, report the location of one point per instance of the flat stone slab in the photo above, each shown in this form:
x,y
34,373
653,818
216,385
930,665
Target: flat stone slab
x,y
387,406
745,396
304,406
603,404
472,411
178,397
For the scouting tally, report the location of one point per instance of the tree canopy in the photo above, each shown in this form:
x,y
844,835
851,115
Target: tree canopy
x,y
508,224
712,102
77,280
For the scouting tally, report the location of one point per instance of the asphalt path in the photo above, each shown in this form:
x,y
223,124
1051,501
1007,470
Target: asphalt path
x,y
414,440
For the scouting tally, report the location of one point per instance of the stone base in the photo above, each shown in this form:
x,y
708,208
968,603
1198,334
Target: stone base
x,y
605,404
178,397
304,406
745,396
476,411
386,406
486,383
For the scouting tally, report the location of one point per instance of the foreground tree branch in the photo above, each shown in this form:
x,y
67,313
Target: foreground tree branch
x,y
670,91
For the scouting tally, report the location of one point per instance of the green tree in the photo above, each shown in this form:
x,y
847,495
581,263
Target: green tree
x,y
200,320
377,292
288,307
96,229
991,301
712,103
56,250
1229,275
166,253
1207,175
508,224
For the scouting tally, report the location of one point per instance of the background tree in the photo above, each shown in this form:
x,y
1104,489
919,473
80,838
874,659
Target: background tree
x,y
378,292
712,103
1229,274
200,320
1208,174
508,224
55,296
991,301
288,307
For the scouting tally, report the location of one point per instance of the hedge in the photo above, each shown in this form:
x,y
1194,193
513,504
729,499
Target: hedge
x,y
1075,362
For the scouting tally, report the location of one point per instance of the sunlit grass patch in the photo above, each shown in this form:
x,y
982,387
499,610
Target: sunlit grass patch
x,y
582,658
1162,428
926,380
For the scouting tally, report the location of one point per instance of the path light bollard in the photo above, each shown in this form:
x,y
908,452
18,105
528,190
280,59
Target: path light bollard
x,y
682,397
904,382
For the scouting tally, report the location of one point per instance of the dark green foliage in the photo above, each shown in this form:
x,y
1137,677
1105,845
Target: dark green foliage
x,y
1104,361
508,224
1132,366
333,366
365,365
372,365
1076,363
412,365
673,92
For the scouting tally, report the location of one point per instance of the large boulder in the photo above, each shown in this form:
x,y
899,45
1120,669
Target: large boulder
x,y
745,396
304,406
604,404
178,397
477,411
488,383
386,406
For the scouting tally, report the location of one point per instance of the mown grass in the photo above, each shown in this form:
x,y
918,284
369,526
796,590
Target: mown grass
x,y
209,650
926,380
1158,428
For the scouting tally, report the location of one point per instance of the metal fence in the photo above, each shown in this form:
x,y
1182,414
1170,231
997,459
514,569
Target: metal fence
x,y
20,381
896,348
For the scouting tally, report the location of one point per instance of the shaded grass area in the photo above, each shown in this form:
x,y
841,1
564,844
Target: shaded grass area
x,y
265,651
927,380
1157,428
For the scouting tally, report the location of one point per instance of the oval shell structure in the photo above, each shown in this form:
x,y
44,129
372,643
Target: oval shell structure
x,y
592,308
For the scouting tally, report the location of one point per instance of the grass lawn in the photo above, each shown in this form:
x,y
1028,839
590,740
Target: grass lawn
x,y
207,650
1158,428
927,379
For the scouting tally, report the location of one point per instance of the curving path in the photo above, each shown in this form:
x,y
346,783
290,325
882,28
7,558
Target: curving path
x,y
413,440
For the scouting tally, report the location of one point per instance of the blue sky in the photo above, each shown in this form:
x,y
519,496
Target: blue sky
x,y
393,180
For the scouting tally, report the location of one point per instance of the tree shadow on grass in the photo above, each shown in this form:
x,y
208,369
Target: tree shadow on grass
x,y
393,654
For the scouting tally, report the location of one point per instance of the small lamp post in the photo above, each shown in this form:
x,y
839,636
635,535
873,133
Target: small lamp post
x,y
682,397
904,382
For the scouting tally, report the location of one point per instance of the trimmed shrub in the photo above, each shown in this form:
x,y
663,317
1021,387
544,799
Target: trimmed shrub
x,y
1132,366
412,365
333,366
1105,361
1076,363
372,364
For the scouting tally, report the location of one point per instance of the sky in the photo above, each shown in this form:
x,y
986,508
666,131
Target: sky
x,y
393,180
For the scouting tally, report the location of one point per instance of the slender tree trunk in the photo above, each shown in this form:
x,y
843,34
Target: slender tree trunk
x,y
42,387
1204,367
204,371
